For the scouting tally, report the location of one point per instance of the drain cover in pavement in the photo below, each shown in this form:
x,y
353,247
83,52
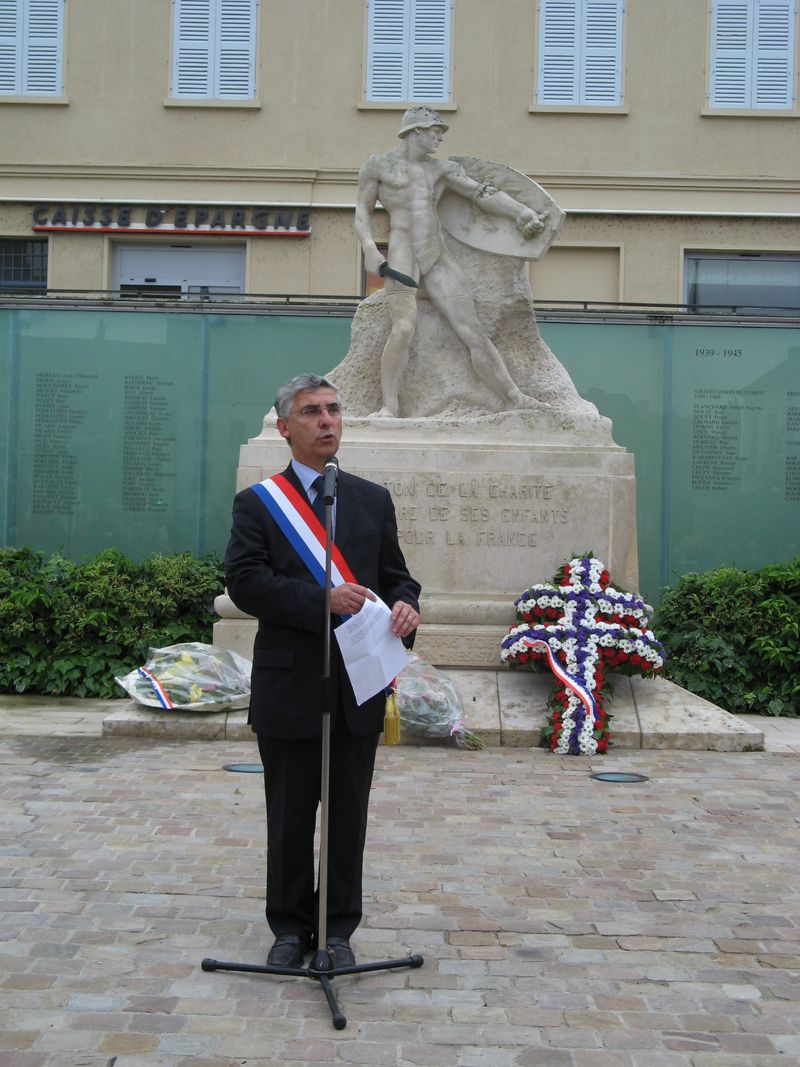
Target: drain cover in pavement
x,y
619,776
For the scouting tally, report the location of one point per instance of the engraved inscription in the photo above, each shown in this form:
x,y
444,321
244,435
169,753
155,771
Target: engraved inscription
x,y
718,416
148,449
793,477
489,511
57,418
792,472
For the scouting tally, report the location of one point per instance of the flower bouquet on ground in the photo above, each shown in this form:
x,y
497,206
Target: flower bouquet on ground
x,y
578,627
429,704
191,677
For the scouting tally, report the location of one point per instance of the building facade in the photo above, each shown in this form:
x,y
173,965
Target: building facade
x,y
210,148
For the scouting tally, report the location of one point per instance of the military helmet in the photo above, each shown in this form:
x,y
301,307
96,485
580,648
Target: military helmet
x,y
421,118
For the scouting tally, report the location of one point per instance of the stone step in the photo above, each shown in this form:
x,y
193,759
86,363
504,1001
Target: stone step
x,y
504,708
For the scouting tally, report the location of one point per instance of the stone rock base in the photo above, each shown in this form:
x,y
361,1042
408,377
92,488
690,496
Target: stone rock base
x,y
505,708
485,508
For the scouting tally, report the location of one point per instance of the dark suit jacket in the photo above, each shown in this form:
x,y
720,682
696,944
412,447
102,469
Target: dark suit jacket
x,y
267,579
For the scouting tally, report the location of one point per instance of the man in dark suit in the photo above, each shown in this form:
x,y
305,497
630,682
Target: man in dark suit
x,y
267,578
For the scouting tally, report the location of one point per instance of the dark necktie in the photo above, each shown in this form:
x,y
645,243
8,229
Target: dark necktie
x,y
318,507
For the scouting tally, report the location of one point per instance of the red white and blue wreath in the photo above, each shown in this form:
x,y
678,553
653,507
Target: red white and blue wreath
x,y
579,627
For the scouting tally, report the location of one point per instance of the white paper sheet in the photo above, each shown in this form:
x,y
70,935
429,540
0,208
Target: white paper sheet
x,y
372,655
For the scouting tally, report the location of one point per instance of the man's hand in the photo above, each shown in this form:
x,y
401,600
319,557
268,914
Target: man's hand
x,y
404,619
373,259
347,599
529,223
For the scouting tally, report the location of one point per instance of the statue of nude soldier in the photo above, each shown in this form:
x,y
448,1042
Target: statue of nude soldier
x,y
409,182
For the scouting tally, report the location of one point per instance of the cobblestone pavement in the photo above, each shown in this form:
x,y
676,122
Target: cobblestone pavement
x,y
564,922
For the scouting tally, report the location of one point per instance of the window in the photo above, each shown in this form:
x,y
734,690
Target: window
x,y
744,283
408,51
580,53
752,54
31,46
186,272
214,45
23,266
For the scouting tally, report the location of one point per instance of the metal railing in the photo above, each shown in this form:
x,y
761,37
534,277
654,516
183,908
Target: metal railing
x,y
345,305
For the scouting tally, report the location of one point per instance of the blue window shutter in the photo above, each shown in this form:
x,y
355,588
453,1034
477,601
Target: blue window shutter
x,y
752,54
430,51
558,74
580,53
773,74
237,45
31,47
192,49
731,31
408,51
386,49
214,49
10,46
602,53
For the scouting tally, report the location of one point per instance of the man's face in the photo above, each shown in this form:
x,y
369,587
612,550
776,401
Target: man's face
x,y
430,139
314,427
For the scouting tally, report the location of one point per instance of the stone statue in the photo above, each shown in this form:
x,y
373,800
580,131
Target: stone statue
x,y
409,184
461,231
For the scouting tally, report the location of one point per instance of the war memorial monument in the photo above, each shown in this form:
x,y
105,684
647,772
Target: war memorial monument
x,y
499,470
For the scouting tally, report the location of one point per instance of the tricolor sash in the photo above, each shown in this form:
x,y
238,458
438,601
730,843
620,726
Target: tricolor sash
x,y
302,529
157,688
583,694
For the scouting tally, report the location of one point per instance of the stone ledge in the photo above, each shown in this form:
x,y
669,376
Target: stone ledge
x,y
135,720
505,709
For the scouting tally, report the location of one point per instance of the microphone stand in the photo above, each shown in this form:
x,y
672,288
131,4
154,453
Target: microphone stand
x,y
322,968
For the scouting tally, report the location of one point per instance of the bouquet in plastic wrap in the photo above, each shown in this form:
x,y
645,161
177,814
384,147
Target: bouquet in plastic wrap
x,y
191,677
429,704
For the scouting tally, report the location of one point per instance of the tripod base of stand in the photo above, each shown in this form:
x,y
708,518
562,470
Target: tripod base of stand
x,y
322,970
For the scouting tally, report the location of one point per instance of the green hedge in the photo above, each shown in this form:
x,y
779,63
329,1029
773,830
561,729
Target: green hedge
x,y
68,628
733,637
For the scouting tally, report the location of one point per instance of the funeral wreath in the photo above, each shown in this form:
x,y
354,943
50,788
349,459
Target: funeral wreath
x,y
579,626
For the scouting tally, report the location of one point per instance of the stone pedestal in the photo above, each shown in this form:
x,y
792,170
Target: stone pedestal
x,y
486,507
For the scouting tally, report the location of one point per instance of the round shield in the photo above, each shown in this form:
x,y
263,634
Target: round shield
x,y
464,219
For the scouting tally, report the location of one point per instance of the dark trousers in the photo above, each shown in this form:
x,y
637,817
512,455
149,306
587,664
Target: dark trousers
x,y
292,773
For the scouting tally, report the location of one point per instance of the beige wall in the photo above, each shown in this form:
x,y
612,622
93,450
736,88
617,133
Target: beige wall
x,y
310,65
116,136
652,249
593,271
634,259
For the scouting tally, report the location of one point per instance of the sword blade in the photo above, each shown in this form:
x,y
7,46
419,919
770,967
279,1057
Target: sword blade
x,y
386,271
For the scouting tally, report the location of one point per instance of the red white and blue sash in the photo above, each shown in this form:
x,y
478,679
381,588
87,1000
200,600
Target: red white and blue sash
x,y
583,694
157,688
302,529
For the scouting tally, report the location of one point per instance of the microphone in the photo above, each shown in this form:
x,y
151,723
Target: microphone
x,y
331,470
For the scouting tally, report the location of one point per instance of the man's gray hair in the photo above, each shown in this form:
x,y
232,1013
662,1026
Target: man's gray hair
x,y
284,398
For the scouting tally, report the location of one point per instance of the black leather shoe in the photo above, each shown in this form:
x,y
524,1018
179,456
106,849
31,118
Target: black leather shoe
x,y
339,948
288,951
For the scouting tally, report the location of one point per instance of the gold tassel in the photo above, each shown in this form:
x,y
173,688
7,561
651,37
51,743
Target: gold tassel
x,y
391,721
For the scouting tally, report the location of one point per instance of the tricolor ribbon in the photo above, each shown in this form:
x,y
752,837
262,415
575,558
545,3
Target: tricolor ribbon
x,y
302,529
157,688
583,694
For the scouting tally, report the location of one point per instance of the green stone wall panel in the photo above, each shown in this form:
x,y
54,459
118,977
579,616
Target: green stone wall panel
x,y
734,478
123,428
620,368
